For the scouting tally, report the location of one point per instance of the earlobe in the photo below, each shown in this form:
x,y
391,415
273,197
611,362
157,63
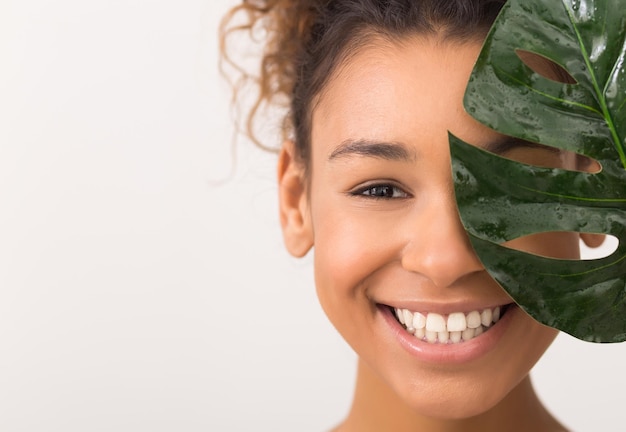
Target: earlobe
x,y
293,203
592,240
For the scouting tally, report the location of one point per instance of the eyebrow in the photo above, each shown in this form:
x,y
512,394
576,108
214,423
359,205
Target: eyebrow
x,y
507,143
393,151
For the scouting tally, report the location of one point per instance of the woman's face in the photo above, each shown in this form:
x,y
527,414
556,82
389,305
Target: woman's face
x,y
380,211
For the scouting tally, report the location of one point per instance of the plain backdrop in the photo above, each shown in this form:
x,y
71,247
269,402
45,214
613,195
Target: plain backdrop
x,y
143,287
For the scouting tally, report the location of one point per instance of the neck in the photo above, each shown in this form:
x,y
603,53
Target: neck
x,y
376,407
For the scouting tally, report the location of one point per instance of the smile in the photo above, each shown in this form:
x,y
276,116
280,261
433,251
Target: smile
x,y
454,328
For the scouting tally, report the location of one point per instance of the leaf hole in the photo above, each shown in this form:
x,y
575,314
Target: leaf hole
x,y
566,245
587,164
545,67
540,155
607,248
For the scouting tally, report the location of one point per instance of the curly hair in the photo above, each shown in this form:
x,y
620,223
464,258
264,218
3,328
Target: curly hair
x,y
306,40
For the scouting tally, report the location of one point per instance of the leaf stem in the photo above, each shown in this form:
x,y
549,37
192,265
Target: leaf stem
x,y
605,109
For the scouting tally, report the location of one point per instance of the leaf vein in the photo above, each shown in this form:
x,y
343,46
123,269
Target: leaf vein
x,y
575,198
595,269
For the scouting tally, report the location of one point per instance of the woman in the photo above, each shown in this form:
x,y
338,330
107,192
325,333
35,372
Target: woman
x,y
372,90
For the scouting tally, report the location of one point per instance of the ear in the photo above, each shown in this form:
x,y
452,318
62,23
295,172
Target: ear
x,y
592,240
293,202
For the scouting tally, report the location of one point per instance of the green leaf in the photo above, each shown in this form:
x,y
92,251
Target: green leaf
x,y
585,298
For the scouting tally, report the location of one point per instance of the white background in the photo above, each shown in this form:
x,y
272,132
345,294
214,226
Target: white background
x,y
136,294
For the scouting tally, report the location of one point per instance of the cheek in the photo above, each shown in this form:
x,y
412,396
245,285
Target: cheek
x,y
341,259
343,253
351,246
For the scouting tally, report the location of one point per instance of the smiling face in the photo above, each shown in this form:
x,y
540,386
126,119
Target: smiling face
x,y
378,205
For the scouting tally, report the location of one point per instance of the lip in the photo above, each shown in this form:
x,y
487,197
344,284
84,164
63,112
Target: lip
x,y
449,353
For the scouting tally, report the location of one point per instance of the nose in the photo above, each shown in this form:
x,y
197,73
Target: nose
x,y
438,247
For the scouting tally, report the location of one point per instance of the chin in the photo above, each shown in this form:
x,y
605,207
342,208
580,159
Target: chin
x,y
452,398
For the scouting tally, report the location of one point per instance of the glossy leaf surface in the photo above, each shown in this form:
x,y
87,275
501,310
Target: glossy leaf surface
x,y
500,199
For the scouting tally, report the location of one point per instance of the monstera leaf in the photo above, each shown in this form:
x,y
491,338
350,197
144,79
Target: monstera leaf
x,y
500,199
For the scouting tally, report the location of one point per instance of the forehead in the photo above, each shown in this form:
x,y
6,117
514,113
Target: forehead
x,y
398,91
409,61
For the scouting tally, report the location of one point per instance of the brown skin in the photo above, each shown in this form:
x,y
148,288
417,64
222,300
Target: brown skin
x,y
410,246
386,411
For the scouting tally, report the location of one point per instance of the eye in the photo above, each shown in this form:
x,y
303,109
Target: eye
x,y
382,191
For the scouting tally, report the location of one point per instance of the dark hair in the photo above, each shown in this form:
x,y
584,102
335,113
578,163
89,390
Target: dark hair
x,y
307,40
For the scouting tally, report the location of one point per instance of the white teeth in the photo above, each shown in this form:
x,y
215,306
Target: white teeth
x,y
435,323
473,319
468,334
431,336
408,317
455,336
486,317
454,328
419,320
456,322
400,315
